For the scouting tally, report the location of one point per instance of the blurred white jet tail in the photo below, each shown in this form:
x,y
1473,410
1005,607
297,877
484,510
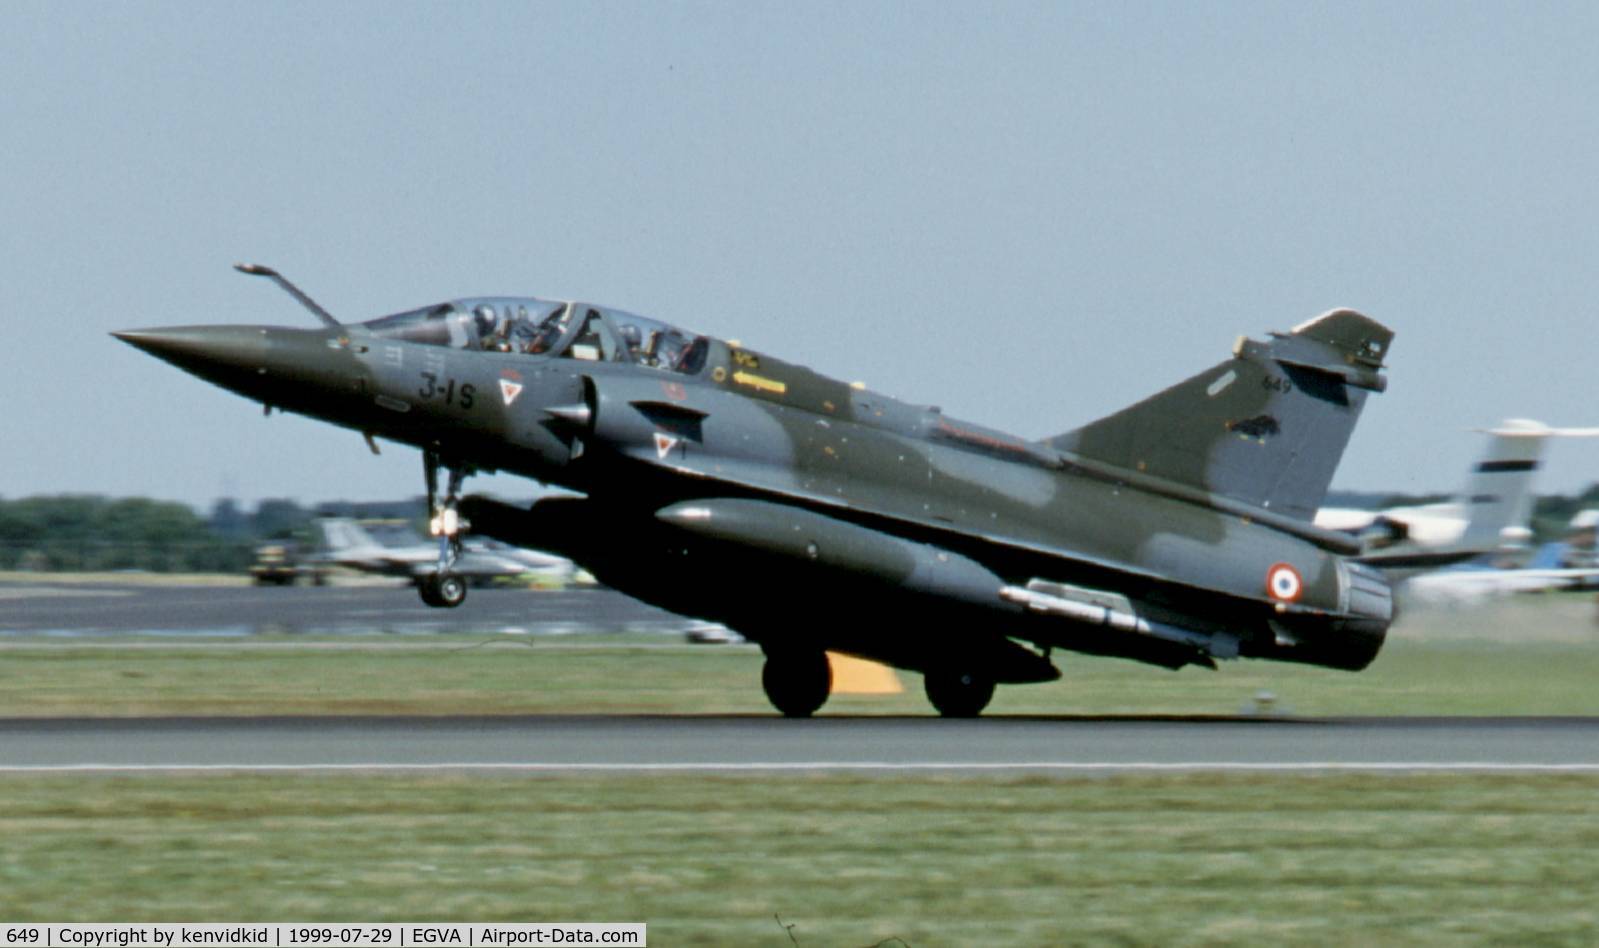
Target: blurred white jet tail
x,y
1491,513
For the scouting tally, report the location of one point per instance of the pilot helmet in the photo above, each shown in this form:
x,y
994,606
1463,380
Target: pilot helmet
x,y
485,319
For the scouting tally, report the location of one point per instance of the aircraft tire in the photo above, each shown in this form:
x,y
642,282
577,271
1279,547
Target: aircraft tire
x,y
797,682
958,694
425,588
450,590
442,592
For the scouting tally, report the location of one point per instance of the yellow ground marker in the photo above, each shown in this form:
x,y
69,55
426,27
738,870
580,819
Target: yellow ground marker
x,y
857,676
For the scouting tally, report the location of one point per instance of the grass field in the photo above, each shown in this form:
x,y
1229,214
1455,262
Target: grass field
x,y
846,860
522,675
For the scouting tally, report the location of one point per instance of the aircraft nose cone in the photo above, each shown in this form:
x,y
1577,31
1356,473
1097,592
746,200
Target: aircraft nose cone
x,y
189,346
231,356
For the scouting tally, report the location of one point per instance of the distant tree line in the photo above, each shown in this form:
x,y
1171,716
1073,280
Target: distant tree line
x,y
1552,514
74,532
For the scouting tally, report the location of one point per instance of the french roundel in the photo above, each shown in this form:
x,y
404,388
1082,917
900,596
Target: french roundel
x,y
1284,583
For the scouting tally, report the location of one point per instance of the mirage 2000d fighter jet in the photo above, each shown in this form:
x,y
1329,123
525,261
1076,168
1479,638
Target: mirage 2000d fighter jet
x,y
813,515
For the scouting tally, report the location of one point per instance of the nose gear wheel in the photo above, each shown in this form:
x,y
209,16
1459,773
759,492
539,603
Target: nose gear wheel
x,y
444,588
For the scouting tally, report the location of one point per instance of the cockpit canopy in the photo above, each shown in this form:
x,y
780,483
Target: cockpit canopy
x,y
545,327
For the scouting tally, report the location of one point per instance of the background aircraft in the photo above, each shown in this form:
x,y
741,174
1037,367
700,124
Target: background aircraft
x,y
1468,584
1489,514
1563,565
396,550
812,515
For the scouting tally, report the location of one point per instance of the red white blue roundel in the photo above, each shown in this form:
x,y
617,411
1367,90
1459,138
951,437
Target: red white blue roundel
x,y
1284,583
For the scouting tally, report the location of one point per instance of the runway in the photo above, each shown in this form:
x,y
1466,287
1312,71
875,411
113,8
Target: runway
x,y
733,744
58,609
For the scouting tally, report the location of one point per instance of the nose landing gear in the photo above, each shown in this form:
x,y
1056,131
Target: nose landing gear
x,y
444,588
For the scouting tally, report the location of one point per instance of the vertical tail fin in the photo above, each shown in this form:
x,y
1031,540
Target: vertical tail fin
x,y
340,534
1266,427
1498,494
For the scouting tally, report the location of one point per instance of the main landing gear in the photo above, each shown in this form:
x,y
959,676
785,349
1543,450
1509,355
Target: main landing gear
x,y
958,694
797,681
443,588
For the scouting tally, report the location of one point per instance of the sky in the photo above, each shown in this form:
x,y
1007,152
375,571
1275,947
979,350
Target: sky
x,y
1030,215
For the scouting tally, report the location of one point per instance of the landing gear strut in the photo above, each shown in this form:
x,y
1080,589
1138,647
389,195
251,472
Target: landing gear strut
x,y
443,588
797,681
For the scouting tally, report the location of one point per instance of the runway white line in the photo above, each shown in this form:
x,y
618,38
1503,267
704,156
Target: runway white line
x,y
1485,767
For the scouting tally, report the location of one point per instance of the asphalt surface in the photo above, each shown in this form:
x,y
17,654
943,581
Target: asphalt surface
x,y
48,608
633,743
